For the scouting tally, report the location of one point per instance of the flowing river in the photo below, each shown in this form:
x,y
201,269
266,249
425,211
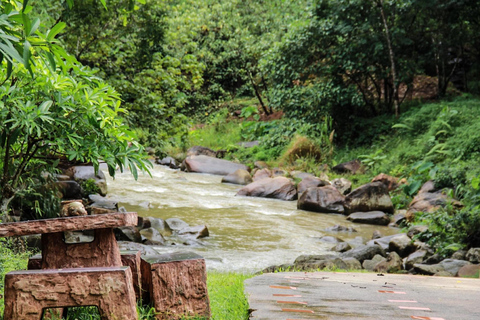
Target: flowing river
x,y
246,234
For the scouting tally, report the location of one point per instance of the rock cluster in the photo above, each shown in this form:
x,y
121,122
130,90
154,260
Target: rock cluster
x,y
391,254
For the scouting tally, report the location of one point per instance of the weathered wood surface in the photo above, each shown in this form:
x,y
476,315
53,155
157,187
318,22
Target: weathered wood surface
x,y
27,293
101,252
110,220
177,285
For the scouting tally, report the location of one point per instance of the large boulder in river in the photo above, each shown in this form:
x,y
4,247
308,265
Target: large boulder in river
x,y
372,196
262,174
322,199
311,182
205,164
240,176
278,188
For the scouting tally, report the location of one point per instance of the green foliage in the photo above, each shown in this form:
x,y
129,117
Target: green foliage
x,y
373,160
52,107
89,186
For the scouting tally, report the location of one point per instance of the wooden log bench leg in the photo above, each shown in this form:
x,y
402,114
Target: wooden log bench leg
x,y
110,289
130,258
176,285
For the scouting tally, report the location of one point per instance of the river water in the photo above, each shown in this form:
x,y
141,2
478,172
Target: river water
x,y
246,234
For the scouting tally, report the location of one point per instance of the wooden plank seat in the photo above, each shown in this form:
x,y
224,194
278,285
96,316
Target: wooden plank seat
x,y
176,285
27,293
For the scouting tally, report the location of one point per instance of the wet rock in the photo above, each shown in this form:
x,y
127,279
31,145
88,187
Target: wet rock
x,y
151,236
342,247
402,245
453,266
262,174
459,255
449,265
433,259
352,264
195,232
371,217
199,150
313,258
392,264
322,199
168,161
473,255
241,177
376,235
70,189
279,268
415,258
144,249
372,196
260,164
363,253
429,202
84,173
427,269
277,188
339,228
127,234
343,185
399,218
310,182
206,164
383,242
390,182
356,242
102,202
414,230
469,271
160,225
176,224
301,175
351,167
330,239
333,263
371,263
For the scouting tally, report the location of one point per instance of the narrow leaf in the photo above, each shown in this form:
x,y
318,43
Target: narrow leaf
x,y
51,60
55,30
34,27
27,54
25,3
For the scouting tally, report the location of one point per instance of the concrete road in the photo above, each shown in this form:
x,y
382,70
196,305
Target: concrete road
x,y
329,295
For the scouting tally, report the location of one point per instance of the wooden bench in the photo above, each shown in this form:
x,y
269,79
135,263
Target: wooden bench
x,y
176,285
110,289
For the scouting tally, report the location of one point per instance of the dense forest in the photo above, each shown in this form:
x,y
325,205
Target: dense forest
x,y
394,83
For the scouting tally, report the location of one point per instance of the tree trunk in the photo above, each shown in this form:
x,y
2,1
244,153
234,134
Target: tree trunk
x,y
259,96
392,58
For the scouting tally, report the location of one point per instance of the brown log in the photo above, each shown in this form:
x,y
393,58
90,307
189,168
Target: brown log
x,y
177,285
110,220
27,293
